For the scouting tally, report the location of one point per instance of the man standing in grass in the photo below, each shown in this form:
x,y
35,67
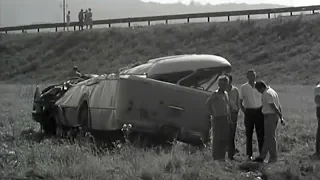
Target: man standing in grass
x,y
234,103
271,109
316,155
250,103
218,107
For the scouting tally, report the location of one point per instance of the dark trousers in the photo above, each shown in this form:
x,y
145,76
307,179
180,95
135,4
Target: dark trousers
x,y
80,24
220,137
233,128
318,132
254,119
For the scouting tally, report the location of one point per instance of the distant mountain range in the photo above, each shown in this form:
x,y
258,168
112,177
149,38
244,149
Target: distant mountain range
x,y
22,12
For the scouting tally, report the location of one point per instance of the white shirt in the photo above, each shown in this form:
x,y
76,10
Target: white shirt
x,y
317,92
234,99
269,96
250,96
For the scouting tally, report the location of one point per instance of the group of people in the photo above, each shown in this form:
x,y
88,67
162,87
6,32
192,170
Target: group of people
x,y
262,112
84,18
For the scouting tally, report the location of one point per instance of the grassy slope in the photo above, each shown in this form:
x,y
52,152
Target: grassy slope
x,y
280,50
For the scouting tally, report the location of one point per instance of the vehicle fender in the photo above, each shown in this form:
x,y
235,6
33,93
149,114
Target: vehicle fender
x,y
83,99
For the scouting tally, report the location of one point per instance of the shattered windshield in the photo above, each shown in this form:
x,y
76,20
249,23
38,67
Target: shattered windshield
x,y
201,79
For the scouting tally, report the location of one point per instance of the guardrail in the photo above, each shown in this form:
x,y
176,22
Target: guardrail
x,y
166,18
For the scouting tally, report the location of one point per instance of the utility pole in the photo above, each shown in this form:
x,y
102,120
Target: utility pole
x,y
64,6
64,11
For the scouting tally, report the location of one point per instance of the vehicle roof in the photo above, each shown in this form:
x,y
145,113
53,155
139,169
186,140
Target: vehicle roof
x,y
165,57
179,63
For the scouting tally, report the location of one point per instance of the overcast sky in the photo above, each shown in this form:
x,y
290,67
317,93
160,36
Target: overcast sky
x,y
282,2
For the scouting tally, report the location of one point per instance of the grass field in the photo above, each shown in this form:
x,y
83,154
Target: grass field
x,y
23,153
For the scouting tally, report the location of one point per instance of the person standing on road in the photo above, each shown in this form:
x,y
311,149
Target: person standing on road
x,y
316,155
80,18
68,20
85,17
90,23
271,109
234,103
251,106
218,107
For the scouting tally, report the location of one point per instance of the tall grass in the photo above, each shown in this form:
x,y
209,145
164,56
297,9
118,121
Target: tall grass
x,y
24,153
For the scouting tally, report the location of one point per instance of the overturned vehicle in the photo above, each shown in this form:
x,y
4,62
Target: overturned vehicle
x,y
164,98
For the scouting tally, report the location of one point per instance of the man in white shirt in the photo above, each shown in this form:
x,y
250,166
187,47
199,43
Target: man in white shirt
x,y
271,109
251,106
316,155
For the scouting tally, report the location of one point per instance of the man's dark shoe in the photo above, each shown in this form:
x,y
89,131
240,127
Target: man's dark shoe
x,y
258,159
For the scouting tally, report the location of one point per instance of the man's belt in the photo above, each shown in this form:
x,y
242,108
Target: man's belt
x,y
257,108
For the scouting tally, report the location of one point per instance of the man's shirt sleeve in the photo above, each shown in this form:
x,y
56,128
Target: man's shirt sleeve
x,y
241,92
268,98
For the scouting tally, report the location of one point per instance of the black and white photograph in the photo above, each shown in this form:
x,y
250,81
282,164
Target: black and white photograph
x,y
159,90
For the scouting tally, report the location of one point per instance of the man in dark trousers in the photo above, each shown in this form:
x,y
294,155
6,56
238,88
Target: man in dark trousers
x,y
251,106
80,18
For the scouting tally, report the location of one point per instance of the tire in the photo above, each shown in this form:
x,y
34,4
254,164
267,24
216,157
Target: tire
x,y
169,132
84,118
49,126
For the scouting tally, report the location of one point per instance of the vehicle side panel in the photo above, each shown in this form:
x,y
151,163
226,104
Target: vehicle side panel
x,y
149,104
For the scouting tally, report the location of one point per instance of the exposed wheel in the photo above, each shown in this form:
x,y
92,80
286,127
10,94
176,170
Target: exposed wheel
x,y
84,118
170,133
49,126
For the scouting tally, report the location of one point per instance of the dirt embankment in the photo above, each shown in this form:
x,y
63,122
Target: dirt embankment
x,y
283,51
